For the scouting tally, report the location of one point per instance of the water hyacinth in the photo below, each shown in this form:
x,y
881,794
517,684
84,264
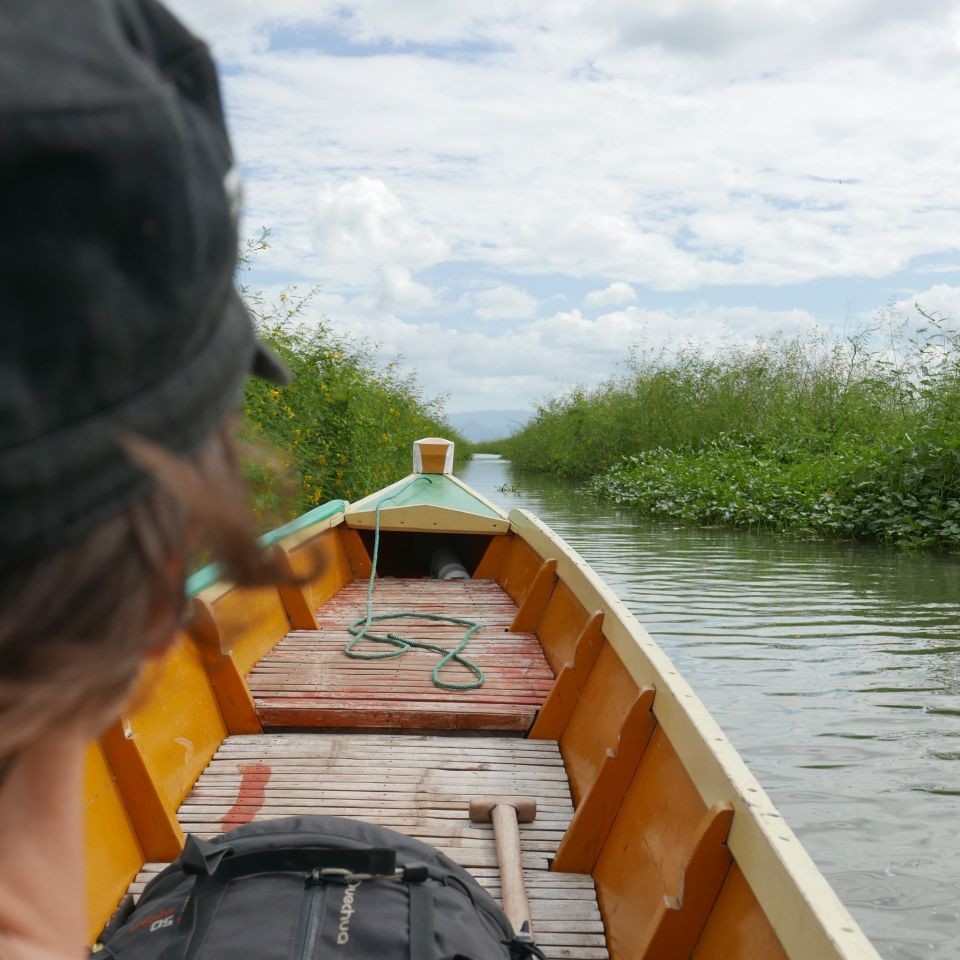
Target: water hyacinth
x,y
898,497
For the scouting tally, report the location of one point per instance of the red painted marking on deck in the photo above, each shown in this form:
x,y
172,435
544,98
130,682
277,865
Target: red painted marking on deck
x,y
250,796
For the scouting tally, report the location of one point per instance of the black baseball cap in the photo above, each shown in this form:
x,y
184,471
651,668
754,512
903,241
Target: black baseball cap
x,y
119,200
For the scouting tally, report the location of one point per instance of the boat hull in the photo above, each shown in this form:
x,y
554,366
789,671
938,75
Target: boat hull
x,y
686,854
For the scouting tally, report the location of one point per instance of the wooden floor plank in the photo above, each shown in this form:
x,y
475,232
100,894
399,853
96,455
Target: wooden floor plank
x,y
421,786
307,681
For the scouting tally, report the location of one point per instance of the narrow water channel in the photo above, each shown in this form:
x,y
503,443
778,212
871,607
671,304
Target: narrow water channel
x,y
835,671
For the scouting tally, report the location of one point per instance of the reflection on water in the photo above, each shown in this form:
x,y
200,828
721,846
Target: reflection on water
x,y
833,669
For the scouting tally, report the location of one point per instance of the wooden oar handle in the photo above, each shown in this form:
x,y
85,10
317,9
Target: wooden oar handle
x,y
506,832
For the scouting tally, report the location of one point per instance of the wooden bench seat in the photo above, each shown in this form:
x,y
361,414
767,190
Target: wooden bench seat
x,y
421,786
307,681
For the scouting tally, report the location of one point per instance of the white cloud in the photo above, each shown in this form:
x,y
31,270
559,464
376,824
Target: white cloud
x,y
655,172
712,28
241,22
681,147
400,292
763,30
941,300
514,366
616,295
363,222
503,302
946,267
611,336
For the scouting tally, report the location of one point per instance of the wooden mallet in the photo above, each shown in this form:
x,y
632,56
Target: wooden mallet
x,y
506,813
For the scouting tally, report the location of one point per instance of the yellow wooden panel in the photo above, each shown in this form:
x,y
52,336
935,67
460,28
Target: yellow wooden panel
x,y
560,626
642,859
519,570
252,621
178,727
494,558
325,557
737,928
113,855
596,720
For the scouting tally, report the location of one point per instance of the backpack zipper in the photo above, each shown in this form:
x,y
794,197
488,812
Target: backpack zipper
x,y
311,913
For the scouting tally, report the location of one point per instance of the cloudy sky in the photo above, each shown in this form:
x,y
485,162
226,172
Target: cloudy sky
x,y
510,193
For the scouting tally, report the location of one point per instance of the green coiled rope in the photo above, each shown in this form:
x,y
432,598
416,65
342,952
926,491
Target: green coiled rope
x,y
401,644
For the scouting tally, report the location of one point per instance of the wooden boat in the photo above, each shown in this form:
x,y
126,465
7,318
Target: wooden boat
x,y
651,840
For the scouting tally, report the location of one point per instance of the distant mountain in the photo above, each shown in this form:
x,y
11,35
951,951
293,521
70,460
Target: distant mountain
x,y
480,425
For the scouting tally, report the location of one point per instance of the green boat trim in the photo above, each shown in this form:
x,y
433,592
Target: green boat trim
x,y
210,574
437,501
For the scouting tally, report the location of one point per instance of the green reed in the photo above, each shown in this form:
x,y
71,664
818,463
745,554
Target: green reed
x,y
846,439
343,427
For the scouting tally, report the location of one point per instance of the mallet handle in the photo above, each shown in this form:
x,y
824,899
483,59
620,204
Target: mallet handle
x,y
506,832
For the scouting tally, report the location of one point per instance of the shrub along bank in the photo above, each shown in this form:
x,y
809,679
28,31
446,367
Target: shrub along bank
x,y
342,428
907,495
802,436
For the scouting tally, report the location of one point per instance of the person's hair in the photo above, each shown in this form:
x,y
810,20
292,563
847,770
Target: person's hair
x,y
76,624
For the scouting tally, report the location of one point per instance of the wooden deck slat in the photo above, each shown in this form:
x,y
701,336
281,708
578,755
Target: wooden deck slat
x,y
415,783
307,681
421,786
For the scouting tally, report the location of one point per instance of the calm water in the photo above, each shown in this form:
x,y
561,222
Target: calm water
x,y
834,669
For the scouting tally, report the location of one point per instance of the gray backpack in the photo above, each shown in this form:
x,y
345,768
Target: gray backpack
x,y
305,888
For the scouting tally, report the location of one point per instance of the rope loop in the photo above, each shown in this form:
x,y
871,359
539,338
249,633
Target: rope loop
x,y
402,645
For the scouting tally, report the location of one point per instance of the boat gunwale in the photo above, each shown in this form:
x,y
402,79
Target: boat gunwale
x,y
221,587
208,581
775,864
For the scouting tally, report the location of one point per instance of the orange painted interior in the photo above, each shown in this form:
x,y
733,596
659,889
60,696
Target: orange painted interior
x,y
178,727
113,855
536,598
251,621
738,928
596,720
324,556
433,456
357,555
494,557
228,683
519,569
296,604
598,805
651,839
679,920
561,625
554,715
174,725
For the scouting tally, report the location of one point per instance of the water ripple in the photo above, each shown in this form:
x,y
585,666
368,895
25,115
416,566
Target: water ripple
x,y
834,670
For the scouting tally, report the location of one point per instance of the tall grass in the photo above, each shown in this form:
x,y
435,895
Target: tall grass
x,y
775,390
807,435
